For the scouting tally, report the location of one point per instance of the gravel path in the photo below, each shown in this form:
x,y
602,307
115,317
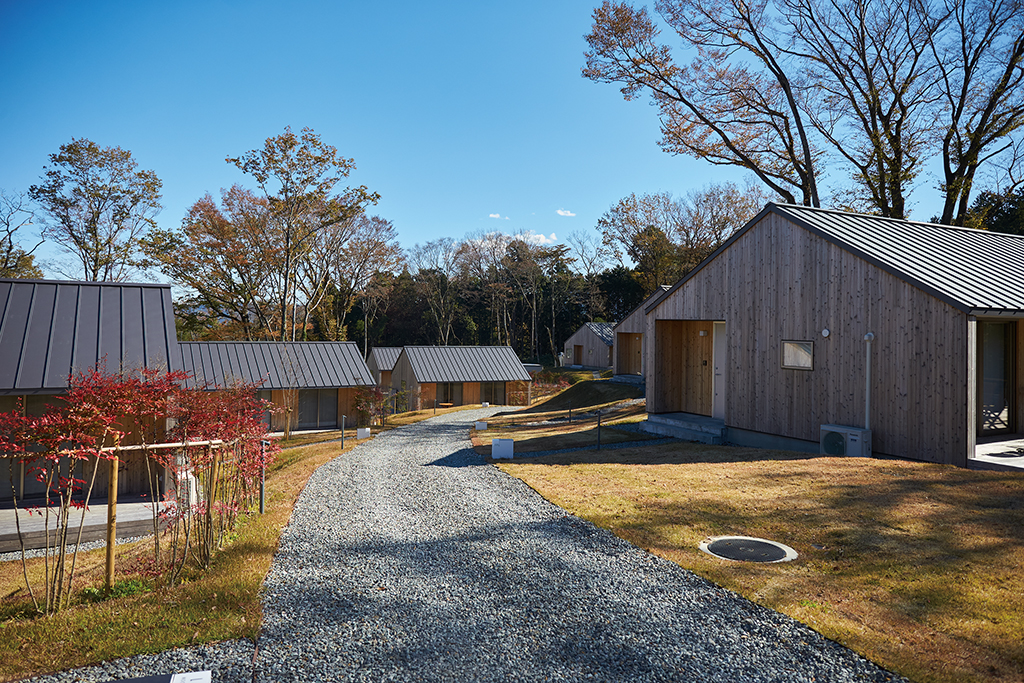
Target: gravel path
x,y
412,560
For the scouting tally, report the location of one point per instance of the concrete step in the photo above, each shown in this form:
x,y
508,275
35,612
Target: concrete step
x,y
687,427
629,379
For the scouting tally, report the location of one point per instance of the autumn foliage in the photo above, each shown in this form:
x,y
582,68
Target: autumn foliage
x,y
203,450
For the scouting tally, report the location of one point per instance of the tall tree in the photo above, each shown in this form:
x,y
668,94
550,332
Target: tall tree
x,y
222,257
300,176
372,247
639,227
872,88
998,212
15,216
981,60
97,205
437,270
735,103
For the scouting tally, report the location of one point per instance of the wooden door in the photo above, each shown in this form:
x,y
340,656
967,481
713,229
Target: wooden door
x,y
683,365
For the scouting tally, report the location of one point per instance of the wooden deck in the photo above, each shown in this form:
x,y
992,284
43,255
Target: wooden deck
x,y
134,518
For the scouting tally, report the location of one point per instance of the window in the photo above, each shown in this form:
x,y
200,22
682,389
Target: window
x,y
798,355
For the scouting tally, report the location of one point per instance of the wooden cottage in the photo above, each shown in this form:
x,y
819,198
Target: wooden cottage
x,y
314,382
435,376
590,346
50,330
381,362
767,341
629,337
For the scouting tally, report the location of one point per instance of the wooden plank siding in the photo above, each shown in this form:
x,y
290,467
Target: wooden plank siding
x,y
779,282
684,366
593,351
629,353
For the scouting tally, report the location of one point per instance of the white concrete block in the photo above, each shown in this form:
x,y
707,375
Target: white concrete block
x,y
485,404
363,433
480,426
501,448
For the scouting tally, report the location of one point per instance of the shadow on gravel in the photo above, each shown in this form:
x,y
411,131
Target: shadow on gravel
x,y
465,457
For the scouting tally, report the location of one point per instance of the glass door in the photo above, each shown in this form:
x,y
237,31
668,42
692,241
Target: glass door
x,y
996,378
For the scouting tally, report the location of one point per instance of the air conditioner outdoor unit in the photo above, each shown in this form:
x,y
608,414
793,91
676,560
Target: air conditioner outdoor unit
x,y
843,440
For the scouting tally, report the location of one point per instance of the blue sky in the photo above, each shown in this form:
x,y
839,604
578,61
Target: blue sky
x,y
453,111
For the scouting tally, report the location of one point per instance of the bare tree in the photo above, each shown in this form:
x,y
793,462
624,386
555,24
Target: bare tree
x,y
981,61
437,270
16,216
735,103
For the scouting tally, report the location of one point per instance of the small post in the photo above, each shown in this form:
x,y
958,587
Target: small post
x,y
570,412
263,475
435,406
598,430
111,520
342,432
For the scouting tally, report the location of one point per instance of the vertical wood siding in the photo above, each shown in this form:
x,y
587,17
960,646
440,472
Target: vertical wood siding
x,y
628,353
595,352
779,282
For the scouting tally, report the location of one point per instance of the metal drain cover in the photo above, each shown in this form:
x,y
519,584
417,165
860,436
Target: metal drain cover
x,y
747,549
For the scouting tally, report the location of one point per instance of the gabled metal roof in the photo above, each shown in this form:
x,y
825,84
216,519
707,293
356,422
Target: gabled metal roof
x,y
385,356
603,331
975,271
275,365
51,329
465,364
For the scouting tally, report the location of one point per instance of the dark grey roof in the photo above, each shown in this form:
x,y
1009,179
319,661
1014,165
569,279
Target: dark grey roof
x,y
386,356
976,271
603,331
51,329
276,365
465,364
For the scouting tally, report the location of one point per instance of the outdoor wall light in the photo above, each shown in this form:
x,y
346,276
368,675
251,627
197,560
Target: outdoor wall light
x,y
825,332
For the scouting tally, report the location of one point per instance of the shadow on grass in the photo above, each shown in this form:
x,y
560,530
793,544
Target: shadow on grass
x,y
675,453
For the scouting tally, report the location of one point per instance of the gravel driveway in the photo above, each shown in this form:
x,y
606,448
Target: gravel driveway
x,y
411,559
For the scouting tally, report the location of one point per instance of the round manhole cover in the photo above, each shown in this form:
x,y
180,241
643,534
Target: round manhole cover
x,y
747,549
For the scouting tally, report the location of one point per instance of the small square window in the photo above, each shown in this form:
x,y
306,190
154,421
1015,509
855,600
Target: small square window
x,y
798,355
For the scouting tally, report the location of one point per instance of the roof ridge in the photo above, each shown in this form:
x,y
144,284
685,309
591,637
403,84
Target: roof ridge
x,y
960,228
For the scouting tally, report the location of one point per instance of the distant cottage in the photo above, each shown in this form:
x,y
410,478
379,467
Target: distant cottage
x,y
590,346
430,376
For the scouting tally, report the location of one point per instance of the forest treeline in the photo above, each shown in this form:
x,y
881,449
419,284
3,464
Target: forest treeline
x,y
299,256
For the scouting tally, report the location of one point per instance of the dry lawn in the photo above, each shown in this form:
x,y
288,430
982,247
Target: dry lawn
x,y
222,604
918,567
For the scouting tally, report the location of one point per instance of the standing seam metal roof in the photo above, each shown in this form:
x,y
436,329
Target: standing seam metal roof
x,y
975,271
276,365
465,364
386,356
51,329
603,331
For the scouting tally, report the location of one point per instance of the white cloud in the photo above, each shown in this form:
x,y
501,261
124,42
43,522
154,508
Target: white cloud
x,y
540,239
496,215
563,212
